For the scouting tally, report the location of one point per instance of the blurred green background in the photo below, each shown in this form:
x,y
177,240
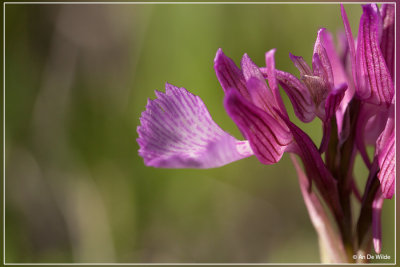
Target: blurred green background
x,y
77,79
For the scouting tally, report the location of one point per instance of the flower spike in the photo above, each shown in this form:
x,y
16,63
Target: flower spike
x,y
355,104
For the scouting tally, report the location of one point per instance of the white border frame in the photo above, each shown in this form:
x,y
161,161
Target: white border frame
x,y
179,3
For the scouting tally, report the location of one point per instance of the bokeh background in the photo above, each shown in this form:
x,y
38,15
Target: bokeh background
x,y
77,79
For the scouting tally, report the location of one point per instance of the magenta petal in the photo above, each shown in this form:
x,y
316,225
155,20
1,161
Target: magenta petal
x,y
268,139
375,83
322,67
339,73
298,94
326,134
376,222
272,81
375,125
301,65
177,131
260,93
385,151
318,86
258,90
339,76
387,41
270,65
366,113
352,48
229,75
334,99
250,69
332,104
386,174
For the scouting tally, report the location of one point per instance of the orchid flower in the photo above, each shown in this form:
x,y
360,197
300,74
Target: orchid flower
x,y
177,131
319,93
